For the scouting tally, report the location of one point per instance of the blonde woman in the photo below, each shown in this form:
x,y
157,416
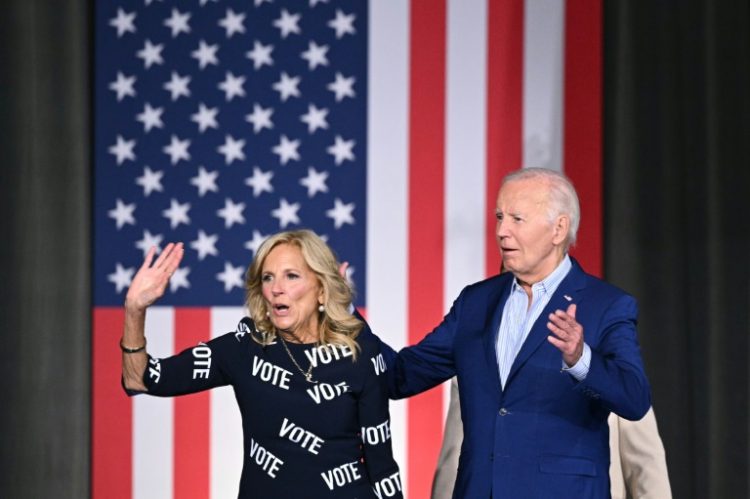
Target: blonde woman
x,y
313,402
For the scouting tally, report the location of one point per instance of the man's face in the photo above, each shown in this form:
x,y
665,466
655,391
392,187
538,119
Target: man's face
x,y
531,245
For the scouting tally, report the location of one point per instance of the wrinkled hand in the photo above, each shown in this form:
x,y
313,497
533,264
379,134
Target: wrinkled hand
x,y
342,269
151,281
567,334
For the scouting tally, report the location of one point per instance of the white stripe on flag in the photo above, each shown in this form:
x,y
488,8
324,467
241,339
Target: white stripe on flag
x,y
153,423
387,187
543,65
465,176
465,144
226,446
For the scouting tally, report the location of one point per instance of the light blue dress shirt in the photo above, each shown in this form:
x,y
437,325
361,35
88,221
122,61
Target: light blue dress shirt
x,y
518,318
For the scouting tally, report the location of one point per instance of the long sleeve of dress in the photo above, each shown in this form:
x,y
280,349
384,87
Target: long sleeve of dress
x,y
193,370
375,423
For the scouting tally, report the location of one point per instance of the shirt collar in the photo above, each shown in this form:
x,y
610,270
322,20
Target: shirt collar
x,y
549,284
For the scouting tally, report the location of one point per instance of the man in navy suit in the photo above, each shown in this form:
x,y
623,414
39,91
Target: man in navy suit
x,y
542,353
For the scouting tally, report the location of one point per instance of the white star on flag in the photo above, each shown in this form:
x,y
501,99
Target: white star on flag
x,y
260,55
177,213
205,245
205,117
313,3
122,213
121,277
179,279
286,150
232,86
231,276
315,118
341,150
206,54
342,87
151,54
286,213
178,22
254,244
287,23
124,22
150,117
123,150
233,23
123,86
232,149
232,213
287,86
341,213
150,181
149,241
315,182
343,23
315,55
260,118
260,181
205,181
177,150
178,86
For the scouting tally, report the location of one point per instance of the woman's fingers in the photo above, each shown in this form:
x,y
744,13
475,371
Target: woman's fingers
x,y
163,256
174,259
148,258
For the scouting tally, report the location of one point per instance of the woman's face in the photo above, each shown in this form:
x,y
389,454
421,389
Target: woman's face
x,y
292,292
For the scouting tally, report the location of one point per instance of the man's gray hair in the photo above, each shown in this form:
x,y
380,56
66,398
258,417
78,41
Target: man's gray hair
x,y
563,199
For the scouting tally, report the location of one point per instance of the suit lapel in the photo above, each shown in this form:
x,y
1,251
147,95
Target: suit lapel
x,y
495,302
567,292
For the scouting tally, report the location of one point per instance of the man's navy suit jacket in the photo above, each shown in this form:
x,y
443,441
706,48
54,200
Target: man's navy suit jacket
x,y
545,435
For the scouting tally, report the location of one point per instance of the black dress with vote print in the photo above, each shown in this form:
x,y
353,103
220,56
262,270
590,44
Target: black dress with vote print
x,y
329,438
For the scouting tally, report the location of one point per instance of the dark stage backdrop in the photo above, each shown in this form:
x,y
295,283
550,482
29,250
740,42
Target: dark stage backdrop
x,y
44,253
677,185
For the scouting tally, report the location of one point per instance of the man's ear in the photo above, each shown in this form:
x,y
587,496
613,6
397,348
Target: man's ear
x,y
562,226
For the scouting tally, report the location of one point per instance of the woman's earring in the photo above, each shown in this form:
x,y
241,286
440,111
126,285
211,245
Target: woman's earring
x,y
321,308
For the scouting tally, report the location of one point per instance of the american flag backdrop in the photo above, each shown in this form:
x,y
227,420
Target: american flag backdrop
x,y
383,126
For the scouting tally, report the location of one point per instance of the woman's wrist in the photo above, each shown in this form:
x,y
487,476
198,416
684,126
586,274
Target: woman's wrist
x,y
128,348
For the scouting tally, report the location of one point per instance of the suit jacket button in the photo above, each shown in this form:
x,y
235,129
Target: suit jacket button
x,y
503,411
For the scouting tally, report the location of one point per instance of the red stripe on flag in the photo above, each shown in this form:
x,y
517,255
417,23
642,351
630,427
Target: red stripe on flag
x,y
583,123
191,413
504,107
426,224
111,411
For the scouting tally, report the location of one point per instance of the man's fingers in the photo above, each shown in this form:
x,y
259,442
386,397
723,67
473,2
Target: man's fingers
x,y
559,319
558,343
342,269
572,310
557,331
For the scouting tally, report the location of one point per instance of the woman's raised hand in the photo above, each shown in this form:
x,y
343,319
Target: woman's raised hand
x,y
151,281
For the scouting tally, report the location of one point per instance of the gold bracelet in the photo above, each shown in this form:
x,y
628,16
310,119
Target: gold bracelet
x,y
133,350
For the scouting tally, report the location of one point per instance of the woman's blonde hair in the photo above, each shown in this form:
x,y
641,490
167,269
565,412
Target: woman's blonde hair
x,y
336,324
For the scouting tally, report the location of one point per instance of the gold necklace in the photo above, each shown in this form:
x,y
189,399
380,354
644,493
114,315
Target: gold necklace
x,y
307,374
